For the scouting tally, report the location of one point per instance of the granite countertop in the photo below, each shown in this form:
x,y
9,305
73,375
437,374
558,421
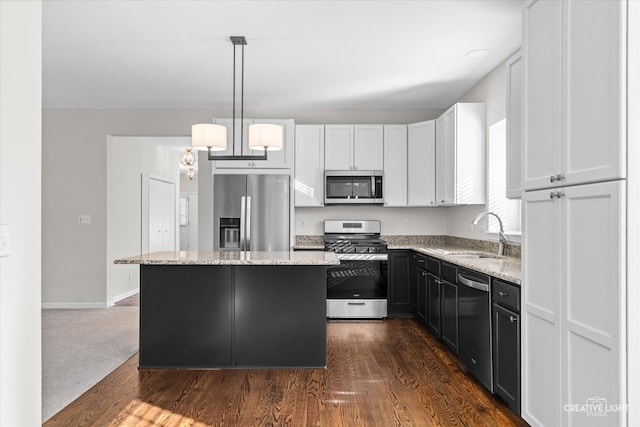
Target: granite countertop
x,y
506,268
233,258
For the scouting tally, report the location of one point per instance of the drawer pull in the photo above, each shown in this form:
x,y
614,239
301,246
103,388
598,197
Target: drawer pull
x,y
356,303
503,294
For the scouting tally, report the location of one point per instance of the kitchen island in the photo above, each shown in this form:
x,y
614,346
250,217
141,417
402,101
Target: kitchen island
x,y
204,310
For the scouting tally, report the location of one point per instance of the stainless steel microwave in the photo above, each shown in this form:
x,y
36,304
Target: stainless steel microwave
x,y
353,187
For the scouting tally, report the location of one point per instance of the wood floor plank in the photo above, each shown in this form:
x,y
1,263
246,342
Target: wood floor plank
x,y
379,373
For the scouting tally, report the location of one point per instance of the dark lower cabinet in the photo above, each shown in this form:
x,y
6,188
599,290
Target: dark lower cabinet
x,y
186,316
506,343
401,288
217,316
433,304
421,297
449,314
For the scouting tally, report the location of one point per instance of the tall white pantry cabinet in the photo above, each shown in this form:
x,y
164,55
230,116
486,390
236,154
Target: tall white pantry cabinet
x,y
574,323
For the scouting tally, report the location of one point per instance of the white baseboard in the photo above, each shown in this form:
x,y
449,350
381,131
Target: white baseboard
x,y
125,295
82,305
72,305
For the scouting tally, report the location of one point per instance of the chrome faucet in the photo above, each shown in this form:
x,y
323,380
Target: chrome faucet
x,y
501,236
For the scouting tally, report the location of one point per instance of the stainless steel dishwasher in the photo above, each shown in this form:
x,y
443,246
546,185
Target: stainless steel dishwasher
x,y
474,325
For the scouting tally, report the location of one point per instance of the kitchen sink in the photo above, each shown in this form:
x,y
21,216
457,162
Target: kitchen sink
x,y
476,255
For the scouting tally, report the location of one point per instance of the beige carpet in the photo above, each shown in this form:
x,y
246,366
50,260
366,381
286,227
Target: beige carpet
x,y
80,347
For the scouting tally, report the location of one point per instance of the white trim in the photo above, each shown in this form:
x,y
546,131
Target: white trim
x,y
72,305
125,295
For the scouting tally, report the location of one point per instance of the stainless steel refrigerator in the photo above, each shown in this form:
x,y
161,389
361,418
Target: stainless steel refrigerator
x,y
251,212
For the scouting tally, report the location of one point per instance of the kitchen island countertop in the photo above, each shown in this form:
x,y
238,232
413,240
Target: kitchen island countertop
x,y
301,258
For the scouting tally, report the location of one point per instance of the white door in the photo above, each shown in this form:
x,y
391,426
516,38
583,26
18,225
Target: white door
x,y
542,48
595,78
541,305
395,165
368,147
421,164
338,147
594,311
162,216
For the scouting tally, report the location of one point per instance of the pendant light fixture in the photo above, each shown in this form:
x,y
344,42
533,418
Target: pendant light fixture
x,y
262,136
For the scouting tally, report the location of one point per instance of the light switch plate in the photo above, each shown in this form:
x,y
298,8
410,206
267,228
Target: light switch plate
x,y
5,240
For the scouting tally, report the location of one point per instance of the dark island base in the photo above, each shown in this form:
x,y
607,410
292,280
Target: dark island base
x,y
205,317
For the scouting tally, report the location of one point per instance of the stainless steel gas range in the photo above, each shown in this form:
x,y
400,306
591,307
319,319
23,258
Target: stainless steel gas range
x,y
357,288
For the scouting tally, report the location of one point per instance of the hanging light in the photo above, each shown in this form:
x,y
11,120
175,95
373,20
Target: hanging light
x,y
265,137
262,137
210,137
188,158
191,174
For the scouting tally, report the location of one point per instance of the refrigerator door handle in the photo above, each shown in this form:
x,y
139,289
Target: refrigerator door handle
x,y
242,222
248,223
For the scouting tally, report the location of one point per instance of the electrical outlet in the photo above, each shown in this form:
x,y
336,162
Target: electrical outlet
x,y
84,219
5,240
405,224
304,224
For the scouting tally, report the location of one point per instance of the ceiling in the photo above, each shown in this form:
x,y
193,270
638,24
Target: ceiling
x,y
300,53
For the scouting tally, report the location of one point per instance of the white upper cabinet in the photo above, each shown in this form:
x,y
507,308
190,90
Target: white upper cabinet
x,y
574,83
460,155
368,147
309,166
349,147
395,165
421,164
281,159
515,70
338,147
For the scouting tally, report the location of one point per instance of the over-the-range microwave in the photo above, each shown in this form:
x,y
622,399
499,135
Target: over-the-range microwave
x,y
353,187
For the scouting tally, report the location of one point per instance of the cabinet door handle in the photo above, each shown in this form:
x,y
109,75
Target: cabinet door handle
x,y
513,319
557,194
554,178
424,274
503,294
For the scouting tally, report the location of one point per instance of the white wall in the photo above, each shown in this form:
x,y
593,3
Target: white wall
x,y
420,220
131,161
492,90
20,192
74,170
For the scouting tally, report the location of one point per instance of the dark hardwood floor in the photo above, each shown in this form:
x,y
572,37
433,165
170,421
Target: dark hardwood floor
x,y
379,373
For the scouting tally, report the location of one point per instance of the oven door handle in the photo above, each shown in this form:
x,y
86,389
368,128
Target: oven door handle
x,y
363,257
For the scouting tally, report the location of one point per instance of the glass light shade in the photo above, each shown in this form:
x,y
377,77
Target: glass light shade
x,y
263,135
207,135
188,158
191,174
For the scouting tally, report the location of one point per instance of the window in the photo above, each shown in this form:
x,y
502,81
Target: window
x,y
508,210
